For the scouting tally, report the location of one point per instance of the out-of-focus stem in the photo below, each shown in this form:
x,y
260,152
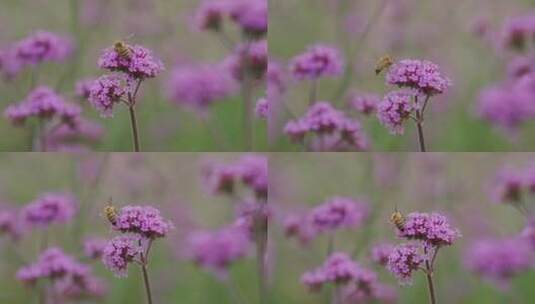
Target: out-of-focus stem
x,y
313,92
429,276
261,224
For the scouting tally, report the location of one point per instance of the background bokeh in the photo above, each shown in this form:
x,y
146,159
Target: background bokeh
x,y
433,29
160,25
455,184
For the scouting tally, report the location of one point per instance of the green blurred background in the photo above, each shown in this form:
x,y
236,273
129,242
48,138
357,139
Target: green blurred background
x,y
161,25
436,30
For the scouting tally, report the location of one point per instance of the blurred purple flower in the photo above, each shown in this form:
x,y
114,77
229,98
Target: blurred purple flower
x,y
217,250
518,33
299,227
250,58
333,130
50,208
364,103
43,46
209,15
421,75
317,61
94,247
119,252
251,16
82,88
507,186
380,253
338,269
499,260
81,132
200,86
262,108
10,224
339,212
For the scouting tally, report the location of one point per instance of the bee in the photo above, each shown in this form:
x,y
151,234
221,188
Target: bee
x,y
397,219
383,64
110,212
122,49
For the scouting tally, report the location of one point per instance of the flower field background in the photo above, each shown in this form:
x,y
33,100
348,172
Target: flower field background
x,y
469,41
172,112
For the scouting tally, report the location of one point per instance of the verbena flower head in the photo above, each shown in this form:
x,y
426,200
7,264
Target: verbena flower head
x,y
42,103
518,33
421,75
53,263
210,14
364,103
140,63
82,131
528,233
317,61
145,221
119,252
403,260
339,212
366,288
299,227
253,171
338,268
432,228
9,225
521,66
80,284
250,15
395,109
198,87
43,46
262,108
219,178
217,250
50,208
380,253
499,260
333,130
105,92
94,247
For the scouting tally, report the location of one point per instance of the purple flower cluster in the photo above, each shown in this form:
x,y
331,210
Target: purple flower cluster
x,y
82,88
139,64
518,33
94,247
499,260
119,252
333,129
365,104
70,278
73,137
217,250
105,92
145,221
251,170
249,59
421,75
50,208
403,260
198,87
42,103
395,109
339,268
317,61
335,213
431,228
9,224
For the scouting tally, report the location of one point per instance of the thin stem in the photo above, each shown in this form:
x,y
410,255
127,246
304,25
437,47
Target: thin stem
x,y
234,292
261,249
144,262
421,139
429,276
312,96
135,134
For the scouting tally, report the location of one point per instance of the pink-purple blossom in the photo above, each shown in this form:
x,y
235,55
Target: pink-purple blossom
x,y
250,15
262,108
432,228
403,260
145,221
139,64
105,92
395,109
317,61
94,247
50,208
365,104
119,252
380,253
9,224
421,75
42,46
338,268
518,32
249,59
82,87
339,212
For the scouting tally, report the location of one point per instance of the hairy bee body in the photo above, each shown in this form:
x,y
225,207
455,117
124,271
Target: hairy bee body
x,y
398,220
122,49
383,64
110,212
